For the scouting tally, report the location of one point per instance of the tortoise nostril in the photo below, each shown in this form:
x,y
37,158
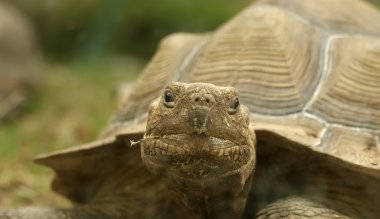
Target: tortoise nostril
x,y
202,99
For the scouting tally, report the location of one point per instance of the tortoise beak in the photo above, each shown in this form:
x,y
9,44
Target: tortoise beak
x,y
200,119
202,102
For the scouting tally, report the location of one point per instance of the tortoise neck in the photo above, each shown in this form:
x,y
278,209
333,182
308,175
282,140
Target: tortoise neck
x,y
221,200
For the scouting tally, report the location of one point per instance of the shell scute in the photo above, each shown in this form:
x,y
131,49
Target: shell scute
x,y
264,53
350,93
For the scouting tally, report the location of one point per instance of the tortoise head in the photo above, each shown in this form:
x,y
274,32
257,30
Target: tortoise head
x,y
198,135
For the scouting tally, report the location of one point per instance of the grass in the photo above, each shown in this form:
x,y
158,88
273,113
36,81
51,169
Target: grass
x,y
72,106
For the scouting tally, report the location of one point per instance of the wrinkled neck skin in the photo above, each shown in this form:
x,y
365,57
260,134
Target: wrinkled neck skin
x,y
203,186
224,197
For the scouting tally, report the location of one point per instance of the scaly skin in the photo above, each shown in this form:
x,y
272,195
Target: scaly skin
x,y
198,139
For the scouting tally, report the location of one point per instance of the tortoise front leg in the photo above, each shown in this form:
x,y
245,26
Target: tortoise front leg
x,y
298,207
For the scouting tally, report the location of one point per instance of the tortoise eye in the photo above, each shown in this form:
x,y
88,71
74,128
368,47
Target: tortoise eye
x,y
168,99
234,104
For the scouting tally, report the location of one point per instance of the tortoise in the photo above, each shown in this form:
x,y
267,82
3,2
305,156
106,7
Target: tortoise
x,y
19,59
276,114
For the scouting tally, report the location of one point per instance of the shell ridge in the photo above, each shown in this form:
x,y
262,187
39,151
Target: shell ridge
x,y
325,58
189,59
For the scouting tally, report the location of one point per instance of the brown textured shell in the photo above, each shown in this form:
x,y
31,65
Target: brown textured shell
x,y
19,60
310,75
307,72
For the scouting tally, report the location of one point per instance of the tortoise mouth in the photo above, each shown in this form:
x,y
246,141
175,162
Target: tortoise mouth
x,y
194,156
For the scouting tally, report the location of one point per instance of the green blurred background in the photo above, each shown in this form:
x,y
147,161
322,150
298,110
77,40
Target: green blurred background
x,y
90,48
92,27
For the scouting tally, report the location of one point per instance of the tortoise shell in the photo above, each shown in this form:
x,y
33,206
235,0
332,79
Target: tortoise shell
x,y
19,60
309,74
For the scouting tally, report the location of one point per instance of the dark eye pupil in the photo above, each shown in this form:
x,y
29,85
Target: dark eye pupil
x,y
233,106
168,96
235,103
